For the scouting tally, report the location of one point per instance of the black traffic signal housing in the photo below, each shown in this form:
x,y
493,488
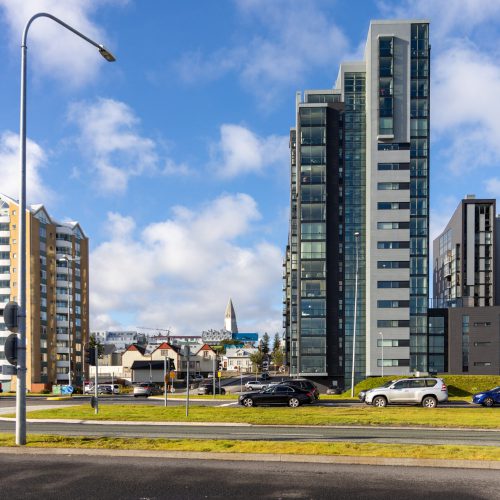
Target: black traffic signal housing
x,y
90,356
220,365
171,365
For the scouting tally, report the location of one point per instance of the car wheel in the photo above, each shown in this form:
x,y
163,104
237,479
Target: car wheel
x,y
293,402
248,402
429,402
488,402
223,391
379,401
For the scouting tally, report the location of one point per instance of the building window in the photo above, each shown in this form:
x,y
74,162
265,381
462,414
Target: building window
x,y
393,284
393,343
393,323
482,363
389,304
394,205
394,362
393,244
392,186
393,264
393,166
393,225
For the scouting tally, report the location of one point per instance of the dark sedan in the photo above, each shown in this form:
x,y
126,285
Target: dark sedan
x,y
277,395
487,398
208,388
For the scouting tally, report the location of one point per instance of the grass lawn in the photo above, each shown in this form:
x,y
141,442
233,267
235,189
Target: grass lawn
x,y
444,452
487,418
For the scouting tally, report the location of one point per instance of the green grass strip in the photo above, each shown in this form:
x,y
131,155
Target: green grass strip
x,y
476,417
442,452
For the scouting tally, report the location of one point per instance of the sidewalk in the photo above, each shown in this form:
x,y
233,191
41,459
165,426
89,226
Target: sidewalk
x,y
257,457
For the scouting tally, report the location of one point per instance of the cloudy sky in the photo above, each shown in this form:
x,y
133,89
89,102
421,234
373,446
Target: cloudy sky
x,y
174,159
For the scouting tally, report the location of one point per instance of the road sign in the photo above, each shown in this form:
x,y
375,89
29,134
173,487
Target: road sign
x,y
172,375
246,337
219,374
67,389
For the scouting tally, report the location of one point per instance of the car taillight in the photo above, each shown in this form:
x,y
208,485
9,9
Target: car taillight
x,y
309,394
443,387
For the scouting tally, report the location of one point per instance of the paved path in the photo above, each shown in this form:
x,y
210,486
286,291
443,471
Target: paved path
x,y
75,476
262,432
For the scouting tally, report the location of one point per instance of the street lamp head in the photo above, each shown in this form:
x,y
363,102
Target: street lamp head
x,y
106,54
356,234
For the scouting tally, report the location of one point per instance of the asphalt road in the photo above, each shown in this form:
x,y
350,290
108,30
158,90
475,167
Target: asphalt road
x,y
267,433
83,477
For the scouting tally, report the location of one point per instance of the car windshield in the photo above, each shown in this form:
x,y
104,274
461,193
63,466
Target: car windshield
x,y
388,384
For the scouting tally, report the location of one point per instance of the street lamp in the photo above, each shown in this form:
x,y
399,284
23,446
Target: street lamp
x,y
21,297
356,238
68,259
382,335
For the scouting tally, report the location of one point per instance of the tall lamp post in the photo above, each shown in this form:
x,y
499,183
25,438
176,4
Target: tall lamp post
x,y
21,297
356,239
382,344
68,259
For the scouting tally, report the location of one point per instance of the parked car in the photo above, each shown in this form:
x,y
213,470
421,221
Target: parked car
x,y
362,394
276,395
108,388
146,389
425,391
256,385
104,389
487,398
198,376
208,388
303,384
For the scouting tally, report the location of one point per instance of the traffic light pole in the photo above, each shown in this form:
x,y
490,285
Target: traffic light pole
x,y
96,380
213,378
165,378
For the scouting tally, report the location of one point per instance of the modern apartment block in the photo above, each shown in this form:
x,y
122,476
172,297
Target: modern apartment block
x,y
464,323
465,270
359,195
57,296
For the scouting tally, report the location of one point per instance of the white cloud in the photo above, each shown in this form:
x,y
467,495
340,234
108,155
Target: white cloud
x,y
297,38
55,51
449,18
37,191
493,186
108,134
241,151
466,107
180,272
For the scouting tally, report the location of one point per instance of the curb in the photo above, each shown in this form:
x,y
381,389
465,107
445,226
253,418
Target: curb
x,y
264,457
241,424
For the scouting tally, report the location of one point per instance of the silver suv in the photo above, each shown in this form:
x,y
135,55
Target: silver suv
x,y
425,391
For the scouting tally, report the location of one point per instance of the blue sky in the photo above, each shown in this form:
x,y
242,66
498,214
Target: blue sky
x,y
174,159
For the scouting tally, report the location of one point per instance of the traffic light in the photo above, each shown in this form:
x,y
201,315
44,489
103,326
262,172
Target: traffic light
x,y
90,356
170,365
10,315
220,365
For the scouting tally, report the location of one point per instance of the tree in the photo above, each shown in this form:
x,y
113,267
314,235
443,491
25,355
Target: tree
x,y
278,358
94,342
265,344
277,355
276,342
257,358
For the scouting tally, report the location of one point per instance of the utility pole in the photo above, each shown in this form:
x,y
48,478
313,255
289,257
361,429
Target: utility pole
x,y
96,380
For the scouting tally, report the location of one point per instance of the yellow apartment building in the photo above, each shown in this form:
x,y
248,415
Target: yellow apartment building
x,y
57,295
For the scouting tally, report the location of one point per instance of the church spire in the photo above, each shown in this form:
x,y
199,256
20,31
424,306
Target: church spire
x,y
230,318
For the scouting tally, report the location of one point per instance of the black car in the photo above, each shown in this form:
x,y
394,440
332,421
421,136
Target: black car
x,y
305,385
208,388
277,395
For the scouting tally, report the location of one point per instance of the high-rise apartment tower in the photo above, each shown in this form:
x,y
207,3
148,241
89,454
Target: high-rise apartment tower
x,y
359,214
57,295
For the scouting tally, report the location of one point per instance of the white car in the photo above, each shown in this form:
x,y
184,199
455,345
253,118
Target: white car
x,y
255,385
